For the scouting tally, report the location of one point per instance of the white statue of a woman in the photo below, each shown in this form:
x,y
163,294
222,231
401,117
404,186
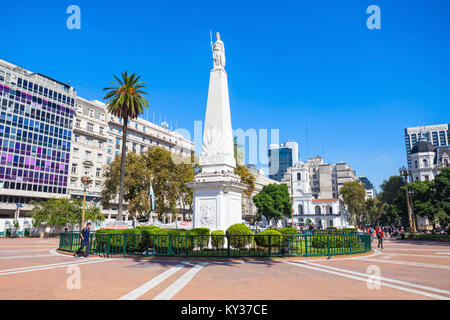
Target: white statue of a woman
x,y
218,53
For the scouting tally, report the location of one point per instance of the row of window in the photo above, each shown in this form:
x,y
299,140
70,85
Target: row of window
x,y
33,187
317,210
48,93
16,95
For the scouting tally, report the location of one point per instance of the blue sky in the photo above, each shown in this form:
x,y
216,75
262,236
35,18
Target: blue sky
x,y
290,64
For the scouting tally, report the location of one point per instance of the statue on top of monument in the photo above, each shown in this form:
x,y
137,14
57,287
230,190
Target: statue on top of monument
x,y
218,53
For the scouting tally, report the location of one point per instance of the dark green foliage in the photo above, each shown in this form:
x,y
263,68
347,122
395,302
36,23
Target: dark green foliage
x,y
262,238
334,241
274,202
218,239
239,229
201,237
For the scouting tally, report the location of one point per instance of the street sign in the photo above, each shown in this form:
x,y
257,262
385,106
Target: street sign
x,y
19,205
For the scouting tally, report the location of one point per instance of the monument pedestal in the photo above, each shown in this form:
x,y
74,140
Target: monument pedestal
x,y
217,200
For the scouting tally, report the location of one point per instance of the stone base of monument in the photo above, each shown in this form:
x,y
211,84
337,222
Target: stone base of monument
x,y
217,200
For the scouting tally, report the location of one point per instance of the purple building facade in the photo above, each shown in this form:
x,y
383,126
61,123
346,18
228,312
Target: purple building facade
x,y
36,119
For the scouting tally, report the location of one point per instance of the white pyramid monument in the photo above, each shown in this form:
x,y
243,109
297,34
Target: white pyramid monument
x,y
217,189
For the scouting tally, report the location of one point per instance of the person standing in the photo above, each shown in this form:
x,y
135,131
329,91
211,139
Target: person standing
x,y
380,236
84,234
47,232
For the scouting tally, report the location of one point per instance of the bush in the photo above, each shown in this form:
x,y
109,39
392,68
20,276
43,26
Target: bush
x,y
290,234
262,238
240,235
218,239
335,241
200,237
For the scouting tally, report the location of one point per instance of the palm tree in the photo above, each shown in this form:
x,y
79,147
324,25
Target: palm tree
x,y
125,100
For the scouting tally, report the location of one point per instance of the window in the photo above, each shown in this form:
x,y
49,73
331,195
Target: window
x,y
426,178
299,176
88,154
74,168
98,172
91,113
416,164
101,130
318,210
90,126
87,170
425,163
300,209
78,123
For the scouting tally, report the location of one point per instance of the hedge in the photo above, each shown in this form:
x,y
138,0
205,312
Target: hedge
x,y
218,239
262,238
202,240
335,241
239,229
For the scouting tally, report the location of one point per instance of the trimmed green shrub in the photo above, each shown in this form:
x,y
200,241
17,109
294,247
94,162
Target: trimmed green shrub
x,y
288,231
262,238
336,241
218,239
200,237
240,235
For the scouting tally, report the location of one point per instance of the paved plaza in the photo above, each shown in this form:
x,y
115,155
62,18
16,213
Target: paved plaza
x,y
32,269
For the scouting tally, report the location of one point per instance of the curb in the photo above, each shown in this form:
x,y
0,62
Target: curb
x,y
231,259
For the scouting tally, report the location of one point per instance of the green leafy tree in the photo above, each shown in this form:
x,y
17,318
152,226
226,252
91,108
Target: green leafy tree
x,y
62,212
353,195
126,100
246,178
374,210
274,202
167,173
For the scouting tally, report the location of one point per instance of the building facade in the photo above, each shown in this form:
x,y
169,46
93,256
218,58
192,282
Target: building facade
x,y
309,206
36,122
50,138
281,157
371,192
97,139
438,135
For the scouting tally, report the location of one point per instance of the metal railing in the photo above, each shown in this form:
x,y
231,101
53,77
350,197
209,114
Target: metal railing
x,y
218,245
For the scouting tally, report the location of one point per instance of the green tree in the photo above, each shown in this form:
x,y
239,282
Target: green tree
x,y
125,100
353,196
274,202
167,173
62,212
246,178
374,210
393,195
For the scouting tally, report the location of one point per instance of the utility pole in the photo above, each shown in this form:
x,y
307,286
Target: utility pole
x,y
85,180
405,173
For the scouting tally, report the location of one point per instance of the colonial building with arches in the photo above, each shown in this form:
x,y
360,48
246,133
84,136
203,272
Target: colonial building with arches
x,y
308,206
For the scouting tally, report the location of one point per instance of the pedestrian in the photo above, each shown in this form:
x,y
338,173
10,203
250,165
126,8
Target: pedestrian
x,y
380,236
371,232
47,232
84,234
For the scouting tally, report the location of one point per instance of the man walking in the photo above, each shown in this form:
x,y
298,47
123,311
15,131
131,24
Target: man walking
x,y
380,236
84,234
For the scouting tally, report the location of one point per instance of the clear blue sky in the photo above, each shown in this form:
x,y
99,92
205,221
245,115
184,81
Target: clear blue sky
x,y
290,64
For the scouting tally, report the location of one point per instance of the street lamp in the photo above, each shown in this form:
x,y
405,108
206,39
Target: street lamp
x,y
85,180
405,173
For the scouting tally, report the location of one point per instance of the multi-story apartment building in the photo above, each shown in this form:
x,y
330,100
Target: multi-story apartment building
x,y
371,192
438,135
35,137
327,179
97,139
281,157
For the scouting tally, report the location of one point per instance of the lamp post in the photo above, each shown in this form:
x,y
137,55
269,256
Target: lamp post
x,y
405,173
85,180
411,195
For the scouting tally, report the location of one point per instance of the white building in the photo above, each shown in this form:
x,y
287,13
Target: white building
x,y
97,139
324,212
